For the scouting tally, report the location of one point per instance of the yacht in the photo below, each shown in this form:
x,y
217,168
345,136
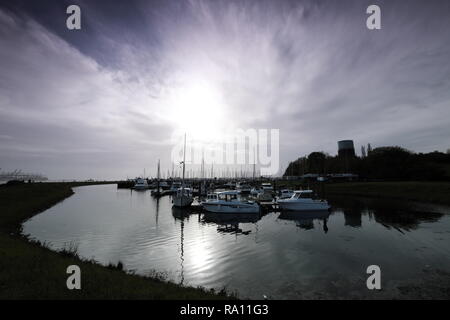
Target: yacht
x,y
140,184
303,200
229,202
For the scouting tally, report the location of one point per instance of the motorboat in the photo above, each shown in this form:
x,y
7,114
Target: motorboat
x,y
266,193
229,202
242,187
183,197
140,184
286,194
303,200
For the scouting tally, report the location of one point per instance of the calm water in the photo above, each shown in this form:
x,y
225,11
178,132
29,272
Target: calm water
x,y
277,255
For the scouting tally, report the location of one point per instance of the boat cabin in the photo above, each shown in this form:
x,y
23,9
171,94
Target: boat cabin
x,y
185,191
223,196
303,194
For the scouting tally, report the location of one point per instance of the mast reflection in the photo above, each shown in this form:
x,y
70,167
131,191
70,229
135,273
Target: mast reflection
x,y
181,214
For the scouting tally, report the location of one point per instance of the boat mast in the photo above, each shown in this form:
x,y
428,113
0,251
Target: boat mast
x,y
184,162
157,184
254,162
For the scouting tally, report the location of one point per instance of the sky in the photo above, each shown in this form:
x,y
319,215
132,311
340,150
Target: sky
x,y
109,100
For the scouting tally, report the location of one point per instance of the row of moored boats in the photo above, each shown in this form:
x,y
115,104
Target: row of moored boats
x,y
233,201
244,199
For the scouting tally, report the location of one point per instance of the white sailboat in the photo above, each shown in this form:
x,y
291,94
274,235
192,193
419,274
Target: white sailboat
x,y
183,197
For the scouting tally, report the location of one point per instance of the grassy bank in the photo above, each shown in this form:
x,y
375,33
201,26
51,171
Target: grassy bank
x,y
433,192
31,271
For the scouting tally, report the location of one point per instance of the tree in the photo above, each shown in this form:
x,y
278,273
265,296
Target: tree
x,y
389,163
316,162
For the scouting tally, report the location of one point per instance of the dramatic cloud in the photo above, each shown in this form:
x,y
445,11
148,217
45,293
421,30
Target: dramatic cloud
x,y
104,102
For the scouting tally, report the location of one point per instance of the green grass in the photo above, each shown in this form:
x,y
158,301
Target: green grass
x,y
433,192
31,271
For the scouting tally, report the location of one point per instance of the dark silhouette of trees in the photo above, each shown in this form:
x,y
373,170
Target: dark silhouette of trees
x,y
383,163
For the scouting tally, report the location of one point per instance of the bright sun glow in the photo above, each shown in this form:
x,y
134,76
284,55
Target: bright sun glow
x,y
198,110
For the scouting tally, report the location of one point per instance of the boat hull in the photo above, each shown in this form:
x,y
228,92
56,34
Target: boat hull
x,y
303,205
182,202
231,208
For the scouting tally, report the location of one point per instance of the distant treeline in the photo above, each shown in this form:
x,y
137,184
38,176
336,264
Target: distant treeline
x,y
384,163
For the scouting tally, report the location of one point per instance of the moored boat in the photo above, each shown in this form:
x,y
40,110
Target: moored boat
x,y
229,202
286,194
183,197
242,187
266,193
303,200
141,184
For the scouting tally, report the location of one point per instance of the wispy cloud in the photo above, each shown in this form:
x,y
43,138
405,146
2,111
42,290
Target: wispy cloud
x,y
310,68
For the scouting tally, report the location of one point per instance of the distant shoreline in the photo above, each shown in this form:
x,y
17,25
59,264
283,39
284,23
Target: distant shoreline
x,y
430,192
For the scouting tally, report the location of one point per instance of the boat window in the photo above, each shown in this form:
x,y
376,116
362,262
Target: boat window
x,y
227,197
306,195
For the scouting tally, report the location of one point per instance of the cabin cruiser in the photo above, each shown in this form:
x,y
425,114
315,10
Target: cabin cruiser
x,y
303,200
229,202
266,193
183,197
286,194
140,184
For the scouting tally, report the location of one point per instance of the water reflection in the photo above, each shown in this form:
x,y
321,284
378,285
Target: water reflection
x,y
156,211
305,219
400,215
229,222
236,251
181,214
